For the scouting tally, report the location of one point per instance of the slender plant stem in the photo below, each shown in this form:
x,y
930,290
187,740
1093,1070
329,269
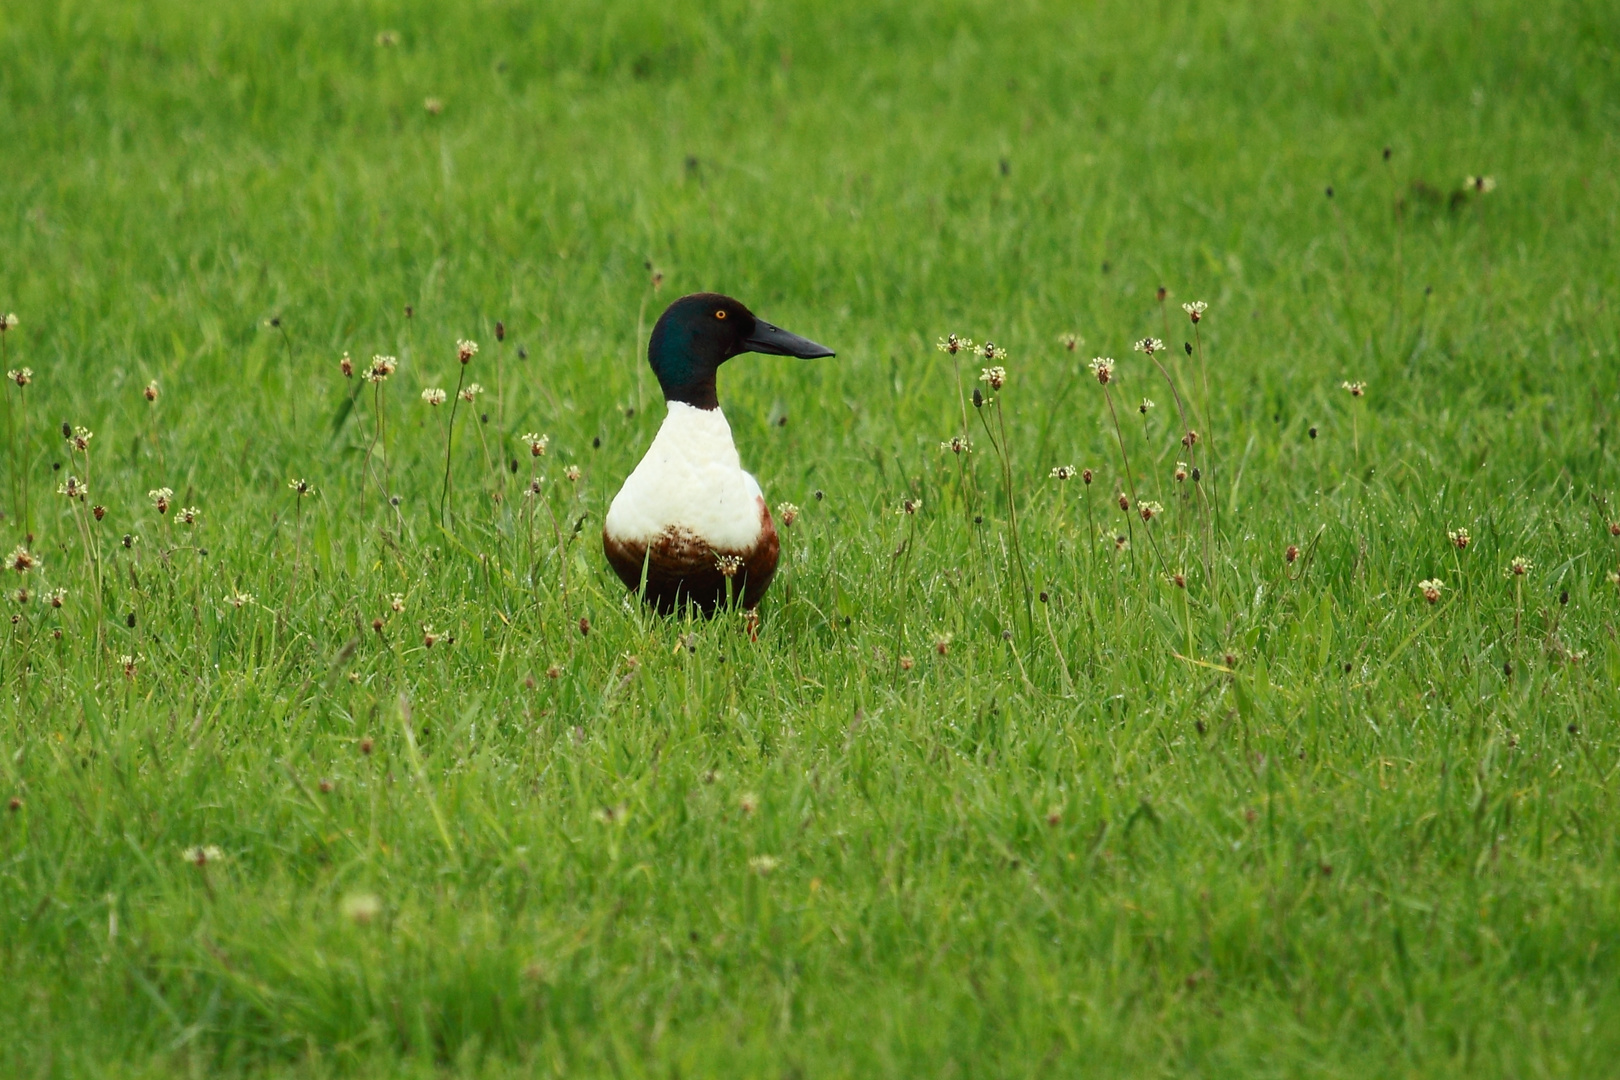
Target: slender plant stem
x,y
450,441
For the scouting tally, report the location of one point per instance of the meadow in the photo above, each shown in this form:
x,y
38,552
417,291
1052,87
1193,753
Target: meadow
x,y
321,764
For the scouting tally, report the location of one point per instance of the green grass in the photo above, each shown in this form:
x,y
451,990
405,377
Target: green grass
x,y
1056,848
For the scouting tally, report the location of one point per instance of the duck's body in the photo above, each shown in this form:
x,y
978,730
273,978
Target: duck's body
x,y
689,522
687,506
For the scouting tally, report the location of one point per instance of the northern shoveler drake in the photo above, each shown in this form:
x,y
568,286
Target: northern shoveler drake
x,y
689,520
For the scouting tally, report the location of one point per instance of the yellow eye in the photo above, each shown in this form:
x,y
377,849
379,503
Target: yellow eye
x,y
720,314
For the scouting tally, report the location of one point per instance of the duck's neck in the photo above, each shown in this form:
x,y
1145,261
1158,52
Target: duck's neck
x,y
685,376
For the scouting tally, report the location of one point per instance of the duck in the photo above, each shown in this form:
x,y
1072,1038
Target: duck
x,y
690,526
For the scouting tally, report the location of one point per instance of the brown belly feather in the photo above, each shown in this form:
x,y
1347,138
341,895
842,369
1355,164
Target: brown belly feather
x,y
681,567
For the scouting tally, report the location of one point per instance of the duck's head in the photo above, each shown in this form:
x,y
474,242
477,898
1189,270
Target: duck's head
x,y
698,333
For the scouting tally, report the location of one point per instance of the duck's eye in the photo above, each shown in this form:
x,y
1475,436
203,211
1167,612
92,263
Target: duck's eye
x,y
720,314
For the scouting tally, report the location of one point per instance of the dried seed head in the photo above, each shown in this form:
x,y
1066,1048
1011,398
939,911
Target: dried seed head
x,y
942,645
22,560
1291,554
1614,528
907,663
1179,580
584,626
1147,403
397,602
500,330
978,398
1103,368
1124,502
1086,476
1181,471
429,638
1431,589
366,746
910,506
1189,440
1121,543
151,391
466,350
1161,294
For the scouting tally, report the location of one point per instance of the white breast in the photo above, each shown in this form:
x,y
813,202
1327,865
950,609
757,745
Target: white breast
x,y
692,479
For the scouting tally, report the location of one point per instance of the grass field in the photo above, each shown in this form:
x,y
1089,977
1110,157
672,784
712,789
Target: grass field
x,y
977,801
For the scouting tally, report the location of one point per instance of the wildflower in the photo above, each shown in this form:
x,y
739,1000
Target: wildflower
x,y
1071,341
1291,554
995,376
1357,389
381,367
433,105
748,802
99,511
763,864
429,638
433,396
1147,403
7,322
470,391
909,506
942,645
300,486
953,345
202,854
978,398
537,444
1179,580
1519,567
1482,184
1195,310
21,596
388,38
78,438
360,908
728,564
151,391
21,376
572,474
991,351
1189,440
1614,578
609,815
22,560
397,602
907,663
1149,510
533,489
1149,345
56,597
787,512
189,515
346,366
1614,528
958,445
1103,368
1063,472
1121,543
1181,471
238,599
1086,476
1431,589
73,488
466,350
